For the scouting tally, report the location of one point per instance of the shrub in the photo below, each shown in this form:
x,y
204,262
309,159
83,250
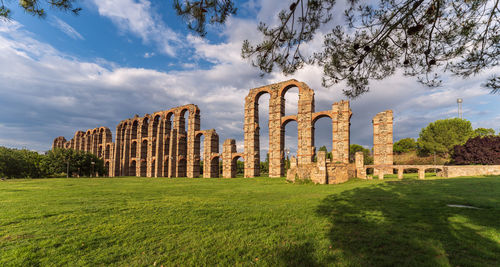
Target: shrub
x,y
478,150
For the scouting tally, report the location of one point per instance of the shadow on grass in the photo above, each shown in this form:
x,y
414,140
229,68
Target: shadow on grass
x,y
409,223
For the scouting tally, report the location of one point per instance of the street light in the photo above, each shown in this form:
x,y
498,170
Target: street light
x,y
459,102
92,173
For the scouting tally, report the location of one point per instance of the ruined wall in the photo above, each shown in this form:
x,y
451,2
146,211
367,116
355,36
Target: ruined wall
x,y
305,118
156,145
167,143
161,144
383,139
321,172
470,170
98,141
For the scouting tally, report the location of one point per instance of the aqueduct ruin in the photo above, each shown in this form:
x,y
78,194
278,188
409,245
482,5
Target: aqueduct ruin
x,y
163,145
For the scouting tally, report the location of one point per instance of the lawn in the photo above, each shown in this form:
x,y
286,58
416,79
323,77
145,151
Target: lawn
x,y
258,221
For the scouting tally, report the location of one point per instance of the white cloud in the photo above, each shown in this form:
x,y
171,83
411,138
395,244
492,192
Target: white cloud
x,y
149,55
65,28
141,20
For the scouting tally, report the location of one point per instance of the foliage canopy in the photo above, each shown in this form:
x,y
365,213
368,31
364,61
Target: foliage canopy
x,y
37,7
405,145
422,37
15,163
478,150
442,135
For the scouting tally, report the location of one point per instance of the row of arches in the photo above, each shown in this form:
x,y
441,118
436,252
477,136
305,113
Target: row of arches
x,y
165,143
278,120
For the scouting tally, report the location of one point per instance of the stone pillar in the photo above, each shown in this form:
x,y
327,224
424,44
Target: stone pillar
x,y
321,176
380,173
228,148
181,153
193,126
421,173
159,148
210,147
125,151
115,169
382,139
172,159
251,130
360,165
276,153
400,173
305,127
341,131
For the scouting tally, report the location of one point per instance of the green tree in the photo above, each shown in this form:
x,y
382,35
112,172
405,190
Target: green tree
x,y
15,163
422,37
442,135
37,7
367,158
484,132
405,145
80,163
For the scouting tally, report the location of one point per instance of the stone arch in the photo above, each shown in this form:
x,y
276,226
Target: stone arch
x,y
101,135
181,167
133,149
276,134
199,155
134,130
317,117
252,129
143,168
234,164
215,166
145,127
133,168
107,151
284,102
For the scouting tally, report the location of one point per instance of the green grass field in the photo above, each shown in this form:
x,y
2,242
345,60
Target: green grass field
x,y
258,221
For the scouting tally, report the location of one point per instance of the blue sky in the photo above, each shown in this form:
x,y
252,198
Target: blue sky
x,y
123,57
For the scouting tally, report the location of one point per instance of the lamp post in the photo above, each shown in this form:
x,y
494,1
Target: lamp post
x,y
92,173
459,102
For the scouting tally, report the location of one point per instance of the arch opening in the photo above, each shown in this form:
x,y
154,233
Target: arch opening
x,y
133,149
133,168
134,129
145,128
262,101
290,100
290,137
237,166
322,135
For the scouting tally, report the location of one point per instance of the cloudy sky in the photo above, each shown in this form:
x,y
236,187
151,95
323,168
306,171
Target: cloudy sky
x,y
123,57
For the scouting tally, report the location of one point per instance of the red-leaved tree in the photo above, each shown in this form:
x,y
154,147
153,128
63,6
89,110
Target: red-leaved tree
x,y
478,150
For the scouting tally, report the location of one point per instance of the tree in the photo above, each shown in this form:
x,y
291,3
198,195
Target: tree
x,y
422,37
442,135
22,163
484,131
80,163
367,158
405,145
478,150
37,7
